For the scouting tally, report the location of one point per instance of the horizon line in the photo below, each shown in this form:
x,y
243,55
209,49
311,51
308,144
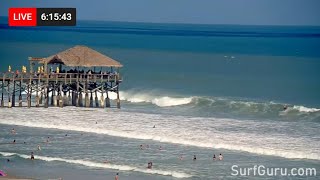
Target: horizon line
x,y
189,23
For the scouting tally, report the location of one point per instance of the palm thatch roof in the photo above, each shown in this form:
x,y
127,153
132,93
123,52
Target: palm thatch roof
x,y
82,56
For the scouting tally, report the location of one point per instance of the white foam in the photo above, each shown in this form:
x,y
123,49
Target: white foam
x,y
175,129
161,101
168,101
104,165
305,109
142,97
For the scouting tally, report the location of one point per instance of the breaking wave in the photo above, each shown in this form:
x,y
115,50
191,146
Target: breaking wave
x,y
214,104
176,130
103,165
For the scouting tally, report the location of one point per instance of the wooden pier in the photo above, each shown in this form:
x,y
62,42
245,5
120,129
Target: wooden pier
x,y
68,78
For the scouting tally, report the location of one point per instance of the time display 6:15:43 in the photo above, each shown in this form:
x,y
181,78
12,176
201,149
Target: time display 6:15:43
x,y
56,16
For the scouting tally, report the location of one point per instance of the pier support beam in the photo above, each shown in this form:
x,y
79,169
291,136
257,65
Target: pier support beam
x,y
53,94
118,97
37,94
86,98
96,99
74,99
9,95
46,96
107,99
2,90
60,98
80,99
91,100
20,94
14,94
69,103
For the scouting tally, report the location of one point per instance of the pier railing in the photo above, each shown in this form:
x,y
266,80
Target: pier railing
x,y
60,77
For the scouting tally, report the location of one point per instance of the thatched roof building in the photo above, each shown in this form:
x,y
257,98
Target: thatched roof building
x,y
81,56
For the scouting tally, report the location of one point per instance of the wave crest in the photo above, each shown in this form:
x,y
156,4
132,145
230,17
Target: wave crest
x,y
103,165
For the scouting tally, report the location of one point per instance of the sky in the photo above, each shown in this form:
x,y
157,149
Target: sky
x,y
244,12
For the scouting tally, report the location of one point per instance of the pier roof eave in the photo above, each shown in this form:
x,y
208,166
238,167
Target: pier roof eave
x,y
82,56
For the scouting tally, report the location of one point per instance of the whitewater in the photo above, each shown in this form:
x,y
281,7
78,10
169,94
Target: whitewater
x,y
281,139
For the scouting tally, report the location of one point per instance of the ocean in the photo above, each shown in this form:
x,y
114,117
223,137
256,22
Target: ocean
x,y
207,89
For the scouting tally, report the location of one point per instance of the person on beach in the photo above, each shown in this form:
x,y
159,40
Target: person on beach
x,y
220,157
32,156
214,157
194,157
116,177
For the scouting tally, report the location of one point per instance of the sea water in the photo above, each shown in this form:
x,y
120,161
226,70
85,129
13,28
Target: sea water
x,y
207,89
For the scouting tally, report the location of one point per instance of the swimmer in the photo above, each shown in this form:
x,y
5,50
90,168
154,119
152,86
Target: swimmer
x,y
180,157
194,157
116,177
66,135
154,126
160,148
220,157
214,157
141,146
39,148
14,141
13,131
32,156
48,139
150,165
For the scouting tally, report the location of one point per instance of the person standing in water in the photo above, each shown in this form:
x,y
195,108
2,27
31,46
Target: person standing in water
x,y
39,148
220,157
48,139
116,177
194,157
214,157
13,131
32,156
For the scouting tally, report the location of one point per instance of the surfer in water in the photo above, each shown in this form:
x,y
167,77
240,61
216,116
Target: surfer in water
x,y
285,107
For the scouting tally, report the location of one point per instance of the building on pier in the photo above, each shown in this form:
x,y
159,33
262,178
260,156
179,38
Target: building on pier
x,y
78,76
